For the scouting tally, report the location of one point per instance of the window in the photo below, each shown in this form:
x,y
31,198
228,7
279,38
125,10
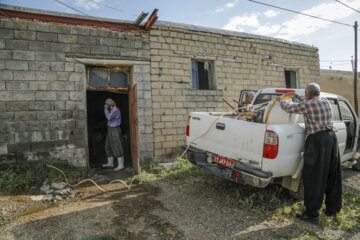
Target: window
x,y
290,79
334,110
345,111
111,78
202,75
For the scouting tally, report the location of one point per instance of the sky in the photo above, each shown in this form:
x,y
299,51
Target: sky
x,y
334,41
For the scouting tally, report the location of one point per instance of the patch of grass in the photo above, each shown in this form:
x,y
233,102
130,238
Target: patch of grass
x,y
27,178
105,237
270,203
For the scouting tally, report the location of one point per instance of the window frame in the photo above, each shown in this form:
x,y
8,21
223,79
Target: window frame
x,y
211,75
336,101
297,82
350,109
109,70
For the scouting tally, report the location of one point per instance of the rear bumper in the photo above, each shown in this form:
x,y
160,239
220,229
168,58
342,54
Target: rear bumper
x,y
246,174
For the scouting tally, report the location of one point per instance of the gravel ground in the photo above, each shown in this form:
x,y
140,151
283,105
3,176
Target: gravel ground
x,y
152,211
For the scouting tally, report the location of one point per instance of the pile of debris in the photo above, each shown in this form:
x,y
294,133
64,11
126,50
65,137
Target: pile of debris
x,y
57,191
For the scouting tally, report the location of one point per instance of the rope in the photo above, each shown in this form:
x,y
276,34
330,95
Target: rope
x,y
92,181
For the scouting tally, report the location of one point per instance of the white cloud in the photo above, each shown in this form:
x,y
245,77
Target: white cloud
x,y
231,4
237,23
270,13
227,5
303,25
88,4
298,26
268,29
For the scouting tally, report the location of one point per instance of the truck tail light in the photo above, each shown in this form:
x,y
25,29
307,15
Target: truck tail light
x,y
271,145
188,127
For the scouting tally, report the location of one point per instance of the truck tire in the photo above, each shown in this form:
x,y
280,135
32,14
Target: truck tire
x,y
357,165
299,195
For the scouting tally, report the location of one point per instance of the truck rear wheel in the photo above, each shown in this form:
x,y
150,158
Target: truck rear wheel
x,y
299,195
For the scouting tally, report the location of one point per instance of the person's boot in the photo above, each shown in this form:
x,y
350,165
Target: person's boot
x,y
110,163
120,164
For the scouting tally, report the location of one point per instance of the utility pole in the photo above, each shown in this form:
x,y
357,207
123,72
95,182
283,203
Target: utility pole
x,y
355,71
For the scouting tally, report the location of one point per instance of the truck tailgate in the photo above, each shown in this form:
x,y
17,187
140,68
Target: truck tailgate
x,y
230,138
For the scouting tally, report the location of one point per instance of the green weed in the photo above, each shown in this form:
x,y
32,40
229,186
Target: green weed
x,y
105,237
27,178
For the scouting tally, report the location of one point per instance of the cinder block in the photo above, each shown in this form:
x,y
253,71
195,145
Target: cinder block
x,y
80,48
23,55
41,106
48,76
6,75
69,67
86,40
24,35
46,115
45,56
24,116
60,47
101,50
79,30
108,42
128,52
7,33
56,28
38,26
17,85
77,96
2,43
39,85
39,46
16,106
16,65
46,37
6,54
46,96
24,75
15,24
57,66
76,77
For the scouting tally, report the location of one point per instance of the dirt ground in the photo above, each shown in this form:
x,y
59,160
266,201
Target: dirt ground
x,y
150,211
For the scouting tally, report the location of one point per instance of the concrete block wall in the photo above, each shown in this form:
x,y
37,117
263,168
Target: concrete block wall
x,y
339,82
43,94
240,63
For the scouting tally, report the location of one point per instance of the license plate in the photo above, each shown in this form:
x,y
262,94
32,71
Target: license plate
x,y
223,161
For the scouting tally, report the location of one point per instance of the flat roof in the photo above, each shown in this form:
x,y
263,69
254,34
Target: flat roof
x,y
158,23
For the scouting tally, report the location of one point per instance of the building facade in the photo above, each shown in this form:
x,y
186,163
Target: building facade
x,y
57,69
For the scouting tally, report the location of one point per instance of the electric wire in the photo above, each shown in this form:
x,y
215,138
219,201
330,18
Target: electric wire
x,y
66,5
348,6
116,9
289,10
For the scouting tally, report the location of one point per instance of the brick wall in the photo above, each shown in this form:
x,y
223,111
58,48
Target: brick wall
x,y
43,90
240,63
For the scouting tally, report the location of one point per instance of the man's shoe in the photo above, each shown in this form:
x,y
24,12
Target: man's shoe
x,y
110,163
330,214
307,218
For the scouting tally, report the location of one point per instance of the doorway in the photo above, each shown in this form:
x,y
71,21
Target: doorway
x,y
97,125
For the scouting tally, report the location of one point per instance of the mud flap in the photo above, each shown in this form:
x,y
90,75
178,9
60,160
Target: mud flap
x,y
291,183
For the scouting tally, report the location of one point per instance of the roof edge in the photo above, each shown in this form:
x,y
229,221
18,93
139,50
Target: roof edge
x,y
229,33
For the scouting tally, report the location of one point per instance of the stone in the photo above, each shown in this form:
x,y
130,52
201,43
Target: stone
x,y
24,35
16,44
58,185
6,54
46,198
62,192
45,188
46,37
6,33
16,65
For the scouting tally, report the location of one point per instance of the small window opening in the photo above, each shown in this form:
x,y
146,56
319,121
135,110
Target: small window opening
x,y
290,79
202,75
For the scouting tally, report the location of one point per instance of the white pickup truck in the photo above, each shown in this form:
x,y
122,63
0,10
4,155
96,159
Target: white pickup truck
x,y
249,151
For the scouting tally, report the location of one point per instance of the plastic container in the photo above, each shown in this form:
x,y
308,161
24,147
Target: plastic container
x,y
279,116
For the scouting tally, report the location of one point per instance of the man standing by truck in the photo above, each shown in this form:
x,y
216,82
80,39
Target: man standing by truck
x,y
321,171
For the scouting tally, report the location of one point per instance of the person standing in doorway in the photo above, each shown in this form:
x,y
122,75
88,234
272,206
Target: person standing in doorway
x,y
321,172
113,144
